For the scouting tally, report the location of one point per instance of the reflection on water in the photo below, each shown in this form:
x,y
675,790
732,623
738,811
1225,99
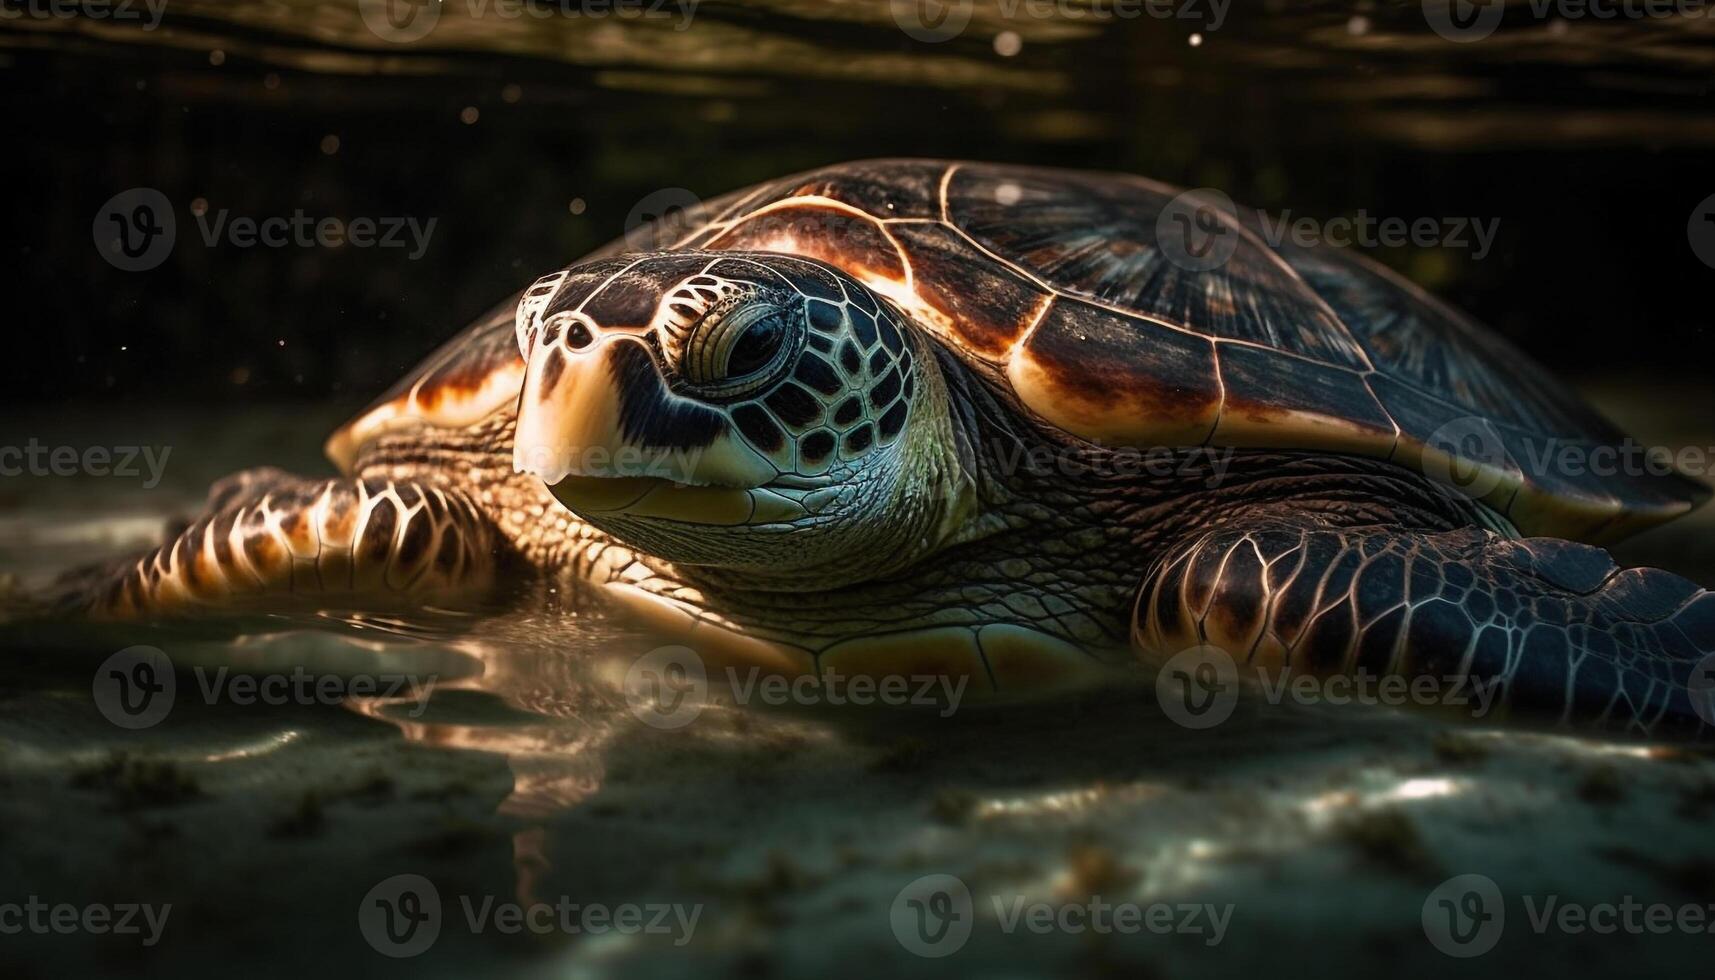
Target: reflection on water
x,y
517,769
1383,68
546,671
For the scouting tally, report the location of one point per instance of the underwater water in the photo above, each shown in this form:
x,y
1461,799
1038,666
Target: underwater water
x,y
497,754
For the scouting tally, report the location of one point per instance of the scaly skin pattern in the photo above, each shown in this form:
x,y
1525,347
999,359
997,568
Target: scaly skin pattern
x,y
1061,535
431,516
1560,630
270,537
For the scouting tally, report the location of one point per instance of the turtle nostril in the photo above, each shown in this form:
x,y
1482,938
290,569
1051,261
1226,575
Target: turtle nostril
x,y
578,336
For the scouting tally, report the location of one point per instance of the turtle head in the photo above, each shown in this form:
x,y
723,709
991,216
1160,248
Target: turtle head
x,y
753,411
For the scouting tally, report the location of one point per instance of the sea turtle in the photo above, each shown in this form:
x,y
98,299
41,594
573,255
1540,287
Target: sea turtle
x,y
911,416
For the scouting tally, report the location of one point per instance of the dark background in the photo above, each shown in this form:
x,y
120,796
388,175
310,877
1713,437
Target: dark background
x,y
1590,143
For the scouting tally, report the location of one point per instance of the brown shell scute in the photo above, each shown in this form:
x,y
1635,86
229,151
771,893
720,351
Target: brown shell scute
x,y
1331,407
1080,369
1094,236
943,262
834,235
1058,279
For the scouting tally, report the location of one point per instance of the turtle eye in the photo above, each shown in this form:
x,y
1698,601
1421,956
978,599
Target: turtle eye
x,y
735,352
756,346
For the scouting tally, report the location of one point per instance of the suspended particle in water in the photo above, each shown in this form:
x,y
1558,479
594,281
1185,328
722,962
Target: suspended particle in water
x,y
577,205
469,115
1008,43
330,144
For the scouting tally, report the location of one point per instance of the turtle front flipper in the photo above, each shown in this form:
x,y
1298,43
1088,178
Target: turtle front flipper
x,y
272,541
1534,627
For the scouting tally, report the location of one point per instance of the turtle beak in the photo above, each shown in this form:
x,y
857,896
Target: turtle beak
x,y
601,428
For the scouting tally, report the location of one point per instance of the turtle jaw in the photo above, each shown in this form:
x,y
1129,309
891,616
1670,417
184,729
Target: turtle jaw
x,y
600,428
645,497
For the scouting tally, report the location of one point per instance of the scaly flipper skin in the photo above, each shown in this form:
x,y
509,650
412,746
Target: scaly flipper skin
x,y
1568,635
269,538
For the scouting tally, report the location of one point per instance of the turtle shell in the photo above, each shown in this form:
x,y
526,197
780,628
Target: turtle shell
x,y
1073,286
1076,289
464,381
